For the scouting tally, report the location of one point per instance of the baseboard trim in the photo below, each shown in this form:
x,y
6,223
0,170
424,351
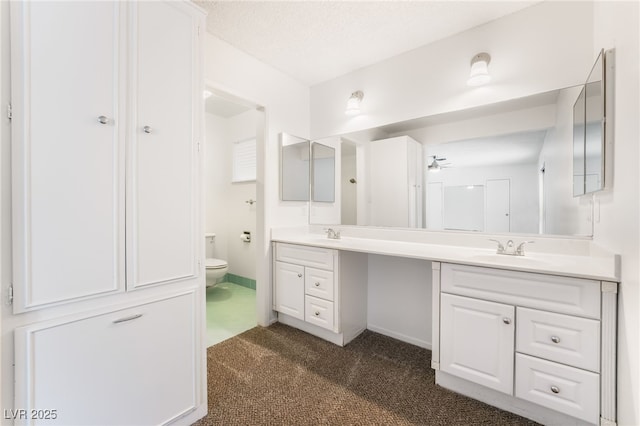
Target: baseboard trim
x,y
399,336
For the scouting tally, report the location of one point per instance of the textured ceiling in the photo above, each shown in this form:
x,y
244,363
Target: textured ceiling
x,y
315,41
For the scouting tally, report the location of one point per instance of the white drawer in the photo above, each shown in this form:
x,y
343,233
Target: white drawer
x,y
568,295
562,338
319,283
315,257
565,389
319,312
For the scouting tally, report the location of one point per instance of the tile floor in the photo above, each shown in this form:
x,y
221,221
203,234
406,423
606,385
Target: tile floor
x,y
231,309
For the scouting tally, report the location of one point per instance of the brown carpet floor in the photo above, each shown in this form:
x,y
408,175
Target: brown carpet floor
x,y
282,376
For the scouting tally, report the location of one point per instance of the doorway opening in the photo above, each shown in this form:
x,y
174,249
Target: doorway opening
x,y
231,217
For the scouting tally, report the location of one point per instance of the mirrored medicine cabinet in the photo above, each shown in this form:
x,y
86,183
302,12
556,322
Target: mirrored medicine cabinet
x,y
307,170
589,130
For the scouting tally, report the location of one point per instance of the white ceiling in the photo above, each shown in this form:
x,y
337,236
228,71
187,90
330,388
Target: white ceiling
x,y
315,41
222,107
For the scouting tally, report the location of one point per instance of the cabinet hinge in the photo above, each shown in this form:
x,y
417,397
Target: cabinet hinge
x,y
609,287
9,111
10,295
198,146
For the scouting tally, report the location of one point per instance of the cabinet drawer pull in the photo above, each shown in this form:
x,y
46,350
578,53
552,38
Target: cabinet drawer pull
x,y
103,120
317,313
555,339
299,275
317,284
125,319
506,320
555,389
147,129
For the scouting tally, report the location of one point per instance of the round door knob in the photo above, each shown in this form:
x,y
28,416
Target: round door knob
x,y
103,120
299,275
317,284
506,320
555,389
317,313
555,339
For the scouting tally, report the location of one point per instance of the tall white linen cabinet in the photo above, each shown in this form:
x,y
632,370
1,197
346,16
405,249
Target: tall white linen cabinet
x,y
105,319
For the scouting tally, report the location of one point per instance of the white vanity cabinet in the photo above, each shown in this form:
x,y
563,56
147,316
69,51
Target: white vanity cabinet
x,y
545,339
316,291
131,366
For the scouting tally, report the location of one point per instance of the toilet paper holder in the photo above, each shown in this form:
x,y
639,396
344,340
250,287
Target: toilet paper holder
x,y
245,236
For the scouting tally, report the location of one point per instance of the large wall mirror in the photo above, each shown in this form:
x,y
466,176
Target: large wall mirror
x,y
505,168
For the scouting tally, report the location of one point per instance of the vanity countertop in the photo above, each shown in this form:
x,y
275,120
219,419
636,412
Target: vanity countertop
x,y
598,267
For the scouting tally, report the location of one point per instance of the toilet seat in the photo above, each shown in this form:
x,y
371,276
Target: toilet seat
x,y
215,264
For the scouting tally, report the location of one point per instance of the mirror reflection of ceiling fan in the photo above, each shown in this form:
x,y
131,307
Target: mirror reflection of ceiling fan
x,y
437,164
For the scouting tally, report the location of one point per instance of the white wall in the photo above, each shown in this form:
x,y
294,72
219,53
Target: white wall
x,y
617,26
286,105
214,183
523,189
227,213
544,47
399,298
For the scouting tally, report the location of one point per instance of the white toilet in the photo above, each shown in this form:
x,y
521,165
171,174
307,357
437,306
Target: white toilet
x,y
215,268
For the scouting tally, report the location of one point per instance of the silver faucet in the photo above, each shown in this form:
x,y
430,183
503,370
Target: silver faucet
x,y
510,250
520,249
331,234
500,246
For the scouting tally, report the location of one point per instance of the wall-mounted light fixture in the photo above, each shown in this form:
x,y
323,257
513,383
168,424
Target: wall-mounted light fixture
x,y
353,104
479,74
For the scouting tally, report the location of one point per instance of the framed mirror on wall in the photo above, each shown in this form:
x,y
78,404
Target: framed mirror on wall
x,y
529,158
516,154
294,168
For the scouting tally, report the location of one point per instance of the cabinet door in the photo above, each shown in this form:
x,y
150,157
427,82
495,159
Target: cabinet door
x,y
131,367
67,151
477,341
163,171
289,289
